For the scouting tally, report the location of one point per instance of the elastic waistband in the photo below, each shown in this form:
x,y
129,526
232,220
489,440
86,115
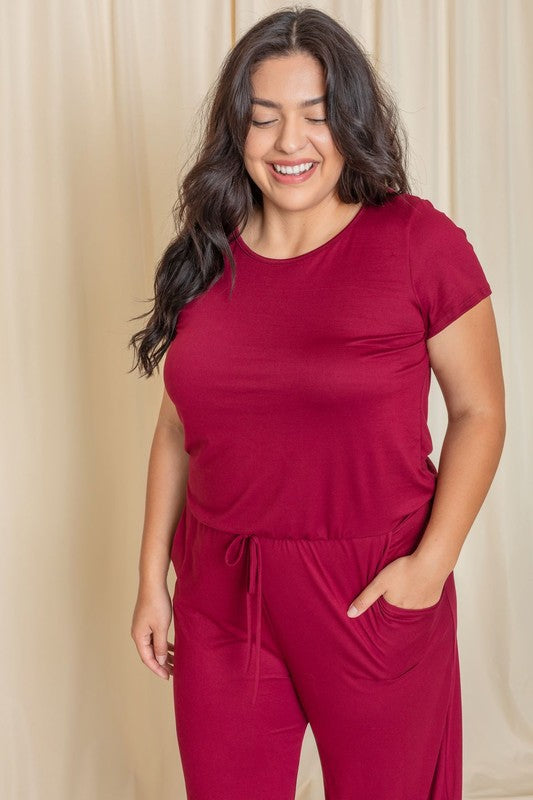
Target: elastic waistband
x,y
261,534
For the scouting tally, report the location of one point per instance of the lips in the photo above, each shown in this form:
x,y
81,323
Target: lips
x,y
292,179
294,163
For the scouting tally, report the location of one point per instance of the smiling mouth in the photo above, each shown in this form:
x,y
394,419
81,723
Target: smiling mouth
x,y
299,176
296,168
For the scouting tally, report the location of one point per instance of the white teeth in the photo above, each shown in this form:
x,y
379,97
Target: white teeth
x,y
294,170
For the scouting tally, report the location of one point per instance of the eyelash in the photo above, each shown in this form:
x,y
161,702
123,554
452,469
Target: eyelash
x,y
260,124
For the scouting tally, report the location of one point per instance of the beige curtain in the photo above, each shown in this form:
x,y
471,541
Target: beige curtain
x,y
97,107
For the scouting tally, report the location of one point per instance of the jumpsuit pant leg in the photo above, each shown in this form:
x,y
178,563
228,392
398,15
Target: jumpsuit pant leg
x,y
381,692
238,739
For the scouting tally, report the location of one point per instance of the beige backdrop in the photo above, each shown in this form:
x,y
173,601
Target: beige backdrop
x,y
97,112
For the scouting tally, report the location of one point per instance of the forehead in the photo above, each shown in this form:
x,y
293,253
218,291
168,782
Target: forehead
x,y
295,80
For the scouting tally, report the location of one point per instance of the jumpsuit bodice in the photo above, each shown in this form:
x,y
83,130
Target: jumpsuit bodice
x,y
303,389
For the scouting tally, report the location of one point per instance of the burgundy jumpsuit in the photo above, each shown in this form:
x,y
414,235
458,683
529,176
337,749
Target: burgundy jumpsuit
x,y
303,391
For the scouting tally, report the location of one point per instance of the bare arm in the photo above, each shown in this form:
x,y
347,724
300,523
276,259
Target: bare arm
x,y
465,358
168,469
165,495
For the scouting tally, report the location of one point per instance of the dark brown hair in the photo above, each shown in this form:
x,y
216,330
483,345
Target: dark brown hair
x,y
217,195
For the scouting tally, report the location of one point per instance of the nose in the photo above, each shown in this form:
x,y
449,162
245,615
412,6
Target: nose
x,y
292,136
241,543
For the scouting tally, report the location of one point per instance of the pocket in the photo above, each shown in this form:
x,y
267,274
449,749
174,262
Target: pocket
x,y
403,541
403,636
400,610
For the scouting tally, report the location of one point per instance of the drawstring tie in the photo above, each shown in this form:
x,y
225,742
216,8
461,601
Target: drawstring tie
x,y
238,544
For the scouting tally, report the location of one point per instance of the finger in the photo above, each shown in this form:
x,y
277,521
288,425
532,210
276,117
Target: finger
x,y
356,608
146,652
364,600
160,645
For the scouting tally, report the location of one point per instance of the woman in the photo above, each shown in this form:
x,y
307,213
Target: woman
x,y
303,304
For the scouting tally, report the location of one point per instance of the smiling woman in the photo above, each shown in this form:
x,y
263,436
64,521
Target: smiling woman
x,y
315,98
289,222
302,306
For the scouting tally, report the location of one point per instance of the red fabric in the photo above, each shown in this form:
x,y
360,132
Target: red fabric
x,y
381,692
304,390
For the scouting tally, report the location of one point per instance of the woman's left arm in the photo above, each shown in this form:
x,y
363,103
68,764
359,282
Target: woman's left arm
x,y
465,358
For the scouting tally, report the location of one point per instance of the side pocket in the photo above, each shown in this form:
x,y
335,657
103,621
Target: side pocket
x,y
402,541
400,611
404,635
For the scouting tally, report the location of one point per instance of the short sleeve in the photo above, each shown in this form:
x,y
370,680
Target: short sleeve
x,y
446,274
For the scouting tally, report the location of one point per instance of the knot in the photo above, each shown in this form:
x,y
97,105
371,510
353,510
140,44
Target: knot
x,y
234,553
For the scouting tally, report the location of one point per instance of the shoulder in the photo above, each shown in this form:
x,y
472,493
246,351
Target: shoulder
x,y
417,216
415,226
427,214
418,210
430,229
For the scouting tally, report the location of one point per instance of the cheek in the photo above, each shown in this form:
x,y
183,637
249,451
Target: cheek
x,y
325,145
251,161
254,146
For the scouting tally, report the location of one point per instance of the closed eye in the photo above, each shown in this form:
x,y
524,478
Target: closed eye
x,y
260,124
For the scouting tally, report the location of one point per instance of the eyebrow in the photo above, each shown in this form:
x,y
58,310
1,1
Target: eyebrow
x,y
271,104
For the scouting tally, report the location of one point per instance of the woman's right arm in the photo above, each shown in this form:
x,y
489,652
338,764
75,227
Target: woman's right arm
x,y
165,497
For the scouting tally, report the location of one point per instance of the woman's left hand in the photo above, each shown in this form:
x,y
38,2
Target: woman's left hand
x,y
408,582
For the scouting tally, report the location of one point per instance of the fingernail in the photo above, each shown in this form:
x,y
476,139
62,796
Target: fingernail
x,y
161,659
352,611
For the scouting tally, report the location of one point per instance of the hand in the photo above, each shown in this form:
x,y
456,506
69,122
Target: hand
x,y
408,582
149,629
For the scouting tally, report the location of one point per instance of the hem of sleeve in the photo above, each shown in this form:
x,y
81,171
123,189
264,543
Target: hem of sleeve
x,y
454,313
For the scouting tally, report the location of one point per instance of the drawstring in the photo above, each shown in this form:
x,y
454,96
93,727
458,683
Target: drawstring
x,y
238,543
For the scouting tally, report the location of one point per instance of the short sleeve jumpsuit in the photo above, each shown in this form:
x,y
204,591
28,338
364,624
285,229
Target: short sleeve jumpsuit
x,y
303,391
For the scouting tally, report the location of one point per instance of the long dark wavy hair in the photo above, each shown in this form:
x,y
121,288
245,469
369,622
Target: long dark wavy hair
x,y
217,195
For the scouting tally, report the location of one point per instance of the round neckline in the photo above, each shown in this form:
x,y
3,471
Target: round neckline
x,y
268,260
